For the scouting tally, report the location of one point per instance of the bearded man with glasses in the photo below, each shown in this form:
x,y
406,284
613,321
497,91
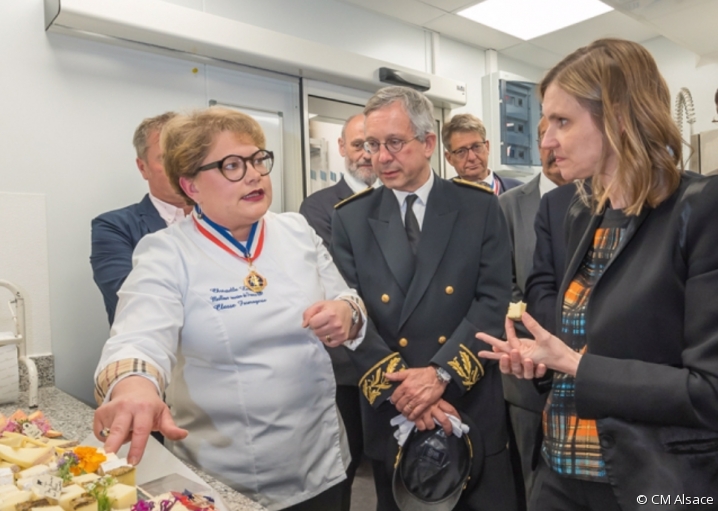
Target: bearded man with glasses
x,y
431,276
467,150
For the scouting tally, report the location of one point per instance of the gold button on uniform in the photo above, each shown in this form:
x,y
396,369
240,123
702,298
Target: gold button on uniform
x,y
403,342
442,339
449,290
385,298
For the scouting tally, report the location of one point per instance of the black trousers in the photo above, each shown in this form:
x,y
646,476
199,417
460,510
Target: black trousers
x,y
349,408
525,426
328,500
554,492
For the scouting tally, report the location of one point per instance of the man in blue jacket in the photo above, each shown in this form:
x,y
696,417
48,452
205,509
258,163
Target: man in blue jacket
x,y
116,233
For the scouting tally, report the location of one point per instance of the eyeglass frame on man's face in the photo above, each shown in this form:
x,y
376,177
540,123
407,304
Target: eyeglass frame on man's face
x,y
477,148
219,164
396,143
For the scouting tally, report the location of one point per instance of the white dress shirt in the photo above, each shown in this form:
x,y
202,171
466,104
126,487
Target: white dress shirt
x,y
255,390
422,194
358,185
545,184
169,212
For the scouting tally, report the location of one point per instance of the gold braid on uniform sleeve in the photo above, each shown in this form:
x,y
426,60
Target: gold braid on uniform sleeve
x,y
374,383
467,367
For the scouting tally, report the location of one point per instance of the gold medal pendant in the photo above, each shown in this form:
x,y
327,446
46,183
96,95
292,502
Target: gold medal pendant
x,y
254,281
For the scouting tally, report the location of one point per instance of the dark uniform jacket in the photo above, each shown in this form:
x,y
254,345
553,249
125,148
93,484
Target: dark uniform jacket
x,y
427,311
115,235
650,375
318,209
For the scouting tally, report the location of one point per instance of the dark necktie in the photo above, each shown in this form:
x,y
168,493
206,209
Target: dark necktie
x,y
411,224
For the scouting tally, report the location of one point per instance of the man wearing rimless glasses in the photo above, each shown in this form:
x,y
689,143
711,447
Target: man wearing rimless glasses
x,y
467,150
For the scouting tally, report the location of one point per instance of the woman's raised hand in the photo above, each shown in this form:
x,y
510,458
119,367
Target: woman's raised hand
x,y
529,358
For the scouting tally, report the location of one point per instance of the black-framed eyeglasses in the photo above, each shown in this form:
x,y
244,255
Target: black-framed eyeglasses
x,y
234,167
393,145
477,148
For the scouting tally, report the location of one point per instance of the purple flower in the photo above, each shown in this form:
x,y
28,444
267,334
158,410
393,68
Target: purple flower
x,y
143,505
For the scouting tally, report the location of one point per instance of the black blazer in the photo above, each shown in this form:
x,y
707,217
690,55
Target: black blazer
x,y
549,260
544,279
429,310
650,374
318,208
115,235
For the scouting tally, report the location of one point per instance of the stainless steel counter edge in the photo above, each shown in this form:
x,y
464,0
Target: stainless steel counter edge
x,y
74,419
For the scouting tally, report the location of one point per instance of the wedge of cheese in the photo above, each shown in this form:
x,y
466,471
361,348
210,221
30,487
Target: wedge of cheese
x,y
37,470
83,503
69,493
124,474
34,502
8,501
60,442
84,479
26,457
122,495
12,441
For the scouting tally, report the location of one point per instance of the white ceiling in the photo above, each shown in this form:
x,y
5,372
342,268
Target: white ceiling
x,y
690,23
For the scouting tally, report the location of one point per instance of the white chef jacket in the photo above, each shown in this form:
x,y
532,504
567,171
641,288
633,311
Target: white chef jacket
x,y
255,390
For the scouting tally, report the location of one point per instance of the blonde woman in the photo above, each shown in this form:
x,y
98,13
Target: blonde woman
x,y
633,409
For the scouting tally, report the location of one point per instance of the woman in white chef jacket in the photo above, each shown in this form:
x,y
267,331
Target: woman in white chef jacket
x,y
234,304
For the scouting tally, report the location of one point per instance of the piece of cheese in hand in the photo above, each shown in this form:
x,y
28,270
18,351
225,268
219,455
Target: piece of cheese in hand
x,y
516,310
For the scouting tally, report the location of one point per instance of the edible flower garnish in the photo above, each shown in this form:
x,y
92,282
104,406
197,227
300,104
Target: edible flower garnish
x,y
98,489
65,463
89,460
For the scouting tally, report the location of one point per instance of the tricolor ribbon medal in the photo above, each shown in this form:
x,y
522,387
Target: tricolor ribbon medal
x,y
222,237
496,185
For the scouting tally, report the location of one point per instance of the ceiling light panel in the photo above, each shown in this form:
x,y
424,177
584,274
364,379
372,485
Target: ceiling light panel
x,y
527,19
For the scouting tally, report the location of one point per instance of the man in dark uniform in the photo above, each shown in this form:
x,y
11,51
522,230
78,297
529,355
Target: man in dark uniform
x,y
318,208
432,262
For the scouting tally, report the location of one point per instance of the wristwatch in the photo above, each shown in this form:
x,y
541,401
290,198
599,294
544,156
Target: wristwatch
x,y
355,315
442,374
355,312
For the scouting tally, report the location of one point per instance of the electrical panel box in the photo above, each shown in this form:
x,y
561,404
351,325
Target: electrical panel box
x,y
518,135
511,115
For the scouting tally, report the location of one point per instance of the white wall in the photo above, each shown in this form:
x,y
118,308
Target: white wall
x,y
682,68
69,110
